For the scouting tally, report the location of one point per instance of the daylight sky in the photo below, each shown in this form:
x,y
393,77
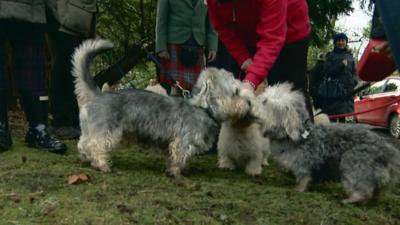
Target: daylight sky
x,y
354,24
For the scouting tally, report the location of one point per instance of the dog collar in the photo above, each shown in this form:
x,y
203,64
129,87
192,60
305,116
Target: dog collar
x,y
307,132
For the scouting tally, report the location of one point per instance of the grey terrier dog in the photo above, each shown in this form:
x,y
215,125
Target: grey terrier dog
x,y
111,117
361,159
240,142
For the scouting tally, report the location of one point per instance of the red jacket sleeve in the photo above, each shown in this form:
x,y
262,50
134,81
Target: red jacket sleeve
x,y
227,34
271,30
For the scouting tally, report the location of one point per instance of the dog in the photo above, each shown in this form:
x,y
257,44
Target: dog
x,y
111,117
240,141
363,161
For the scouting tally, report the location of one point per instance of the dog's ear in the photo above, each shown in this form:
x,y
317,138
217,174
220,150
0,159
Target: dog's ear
x,y
293,124
201,97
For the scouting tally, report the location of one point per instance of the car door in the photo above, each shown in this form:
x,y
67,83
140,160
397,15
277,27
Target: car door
x,y
391,92
367,101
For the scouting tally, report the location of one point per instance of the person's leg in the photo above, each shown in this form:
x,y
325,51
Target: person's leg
x,y
224,60
29,67
63,104
291,66
5,138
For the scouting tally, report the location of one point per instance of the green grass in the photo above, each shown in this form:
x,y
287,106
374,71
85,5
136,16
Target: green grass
x,y
36,191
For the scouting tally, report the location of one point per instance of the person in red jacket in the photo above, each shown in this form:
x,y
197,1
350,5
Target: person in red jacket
x,y
267,38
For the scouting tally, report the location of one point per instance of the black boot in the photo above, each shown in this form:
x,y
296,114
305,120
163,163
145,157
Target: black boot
x,y
5,138
38,137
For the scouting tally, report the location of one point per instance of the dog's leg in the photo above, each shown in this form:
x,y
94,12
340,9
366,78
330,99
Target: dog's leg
x,y
177,158
302,183
254,165
99,147
84,152
266,153
100,156
265,161
355,197
224,162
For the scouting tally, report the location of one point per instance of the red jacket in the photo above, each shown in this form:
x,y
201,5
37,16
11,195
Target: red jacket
x,y
265,25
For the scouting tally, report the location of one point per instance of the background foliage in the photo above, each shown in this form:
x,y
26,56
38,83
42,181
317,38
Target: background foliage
x,y
131,22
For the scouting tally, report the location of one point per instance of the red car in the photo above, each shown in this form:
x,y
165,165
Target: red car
x,y
380,94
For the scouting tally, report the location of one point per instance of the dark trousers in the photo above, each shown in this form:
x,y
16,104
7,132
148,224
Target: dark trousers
x,y
291,66
28,69
225,60
63,104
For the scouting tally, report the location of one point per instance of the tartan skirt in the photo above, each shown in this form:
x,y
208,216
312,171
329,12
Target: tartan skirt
x,y
28,63
173,70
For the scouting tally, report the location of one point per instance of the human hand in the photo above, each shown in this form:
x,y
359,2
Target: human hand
x,y
345,63
163,54
211,56
247,89
245,65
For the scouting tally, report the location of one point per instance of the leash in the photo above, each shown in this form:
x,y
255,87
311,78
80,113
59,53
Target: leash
x,y
151,57
362,112
109,58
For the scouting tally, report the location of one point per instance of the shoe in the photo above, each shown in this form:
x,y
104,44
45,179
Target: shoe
x,y
65,133
39,138
5,138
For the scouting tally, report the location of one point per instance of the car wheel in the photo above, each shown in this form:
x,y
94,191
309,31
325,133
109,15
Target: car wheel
x,y
394,126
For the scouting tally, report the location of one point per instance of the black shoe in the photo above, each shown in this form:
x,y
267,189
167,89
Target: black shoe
x,y
39,138
5,138
65,133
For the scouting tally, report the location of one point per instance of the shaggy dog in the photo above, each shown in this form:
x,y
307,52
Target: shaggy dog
x,y
240,142
361,159
109,118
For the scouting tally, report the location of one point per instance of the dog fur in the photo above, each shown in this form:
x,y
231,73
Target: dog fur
x,y
240,142
108,118
361,159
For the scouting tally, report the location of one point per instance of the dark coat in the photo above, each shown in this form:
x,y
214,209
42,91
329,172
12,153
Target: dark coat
x,y
338,65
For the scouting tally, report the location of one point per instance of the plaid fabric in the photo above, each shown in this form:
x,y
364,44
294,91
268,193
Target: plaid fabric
x,y
172,70
29,63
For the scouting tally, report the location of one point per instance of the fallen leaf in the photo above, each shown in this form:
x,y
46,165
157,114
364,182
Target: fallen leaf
x,y
73,179
83,177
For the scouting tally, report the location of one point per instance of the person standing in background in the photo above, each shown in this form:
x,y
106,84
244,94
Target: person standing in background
x,y
22,26
267,38
183,33
334,80
71,23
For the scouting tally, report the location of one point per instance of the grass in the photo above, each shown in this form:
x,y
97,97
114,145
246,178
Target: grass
x,y
34,190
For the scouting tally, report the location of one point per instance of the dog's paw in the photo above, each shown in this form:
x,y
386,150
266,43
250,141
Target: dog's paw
x,y
302,184
265,162
354,198
103,167
254,172
226,164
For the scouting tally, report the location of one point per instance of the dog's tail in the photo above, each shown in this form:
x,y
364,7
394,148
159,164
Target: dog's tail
x,y
85,87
